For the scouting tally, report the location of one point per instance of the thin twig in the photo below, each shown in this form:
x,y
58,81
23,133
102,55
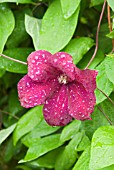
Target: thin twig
x,y
108,16
9,58
97,35
105,115
106,96
2,111
110,24
38,4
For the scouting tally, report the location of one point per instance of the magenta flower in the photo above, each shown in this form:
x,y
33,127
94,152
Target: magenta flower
x,y
54,81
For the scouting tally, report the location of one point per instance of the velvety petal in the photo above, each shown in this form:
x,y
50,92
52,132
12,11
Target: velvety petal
x,y
81,102
32,93
63,62
56,108
87,78
38,67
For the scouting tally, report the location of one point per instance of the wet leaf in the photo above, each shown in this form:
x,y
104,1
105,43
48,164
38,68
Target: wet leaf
x,y
32,26
47,160
102,147
27,122
111,34
69,7
16,53
83,161
42,146
6,132
111,4
42,129
7,23
19,36
78,47
69,131
68,156
55,26
103,83
17,1
109,63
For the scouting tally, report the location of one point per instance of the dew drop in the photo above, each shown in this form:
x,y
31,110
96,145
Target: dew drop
x,y
36,57
33,61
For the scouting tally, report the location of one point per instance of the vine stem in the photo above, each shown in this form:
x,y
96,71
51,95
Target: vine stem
x,y
110,24
97,35
9,58
106,96
105,115
2,111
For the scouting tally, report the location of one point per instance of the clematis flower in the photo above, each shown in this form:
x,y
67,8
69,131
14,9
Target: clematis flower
x,y
55,82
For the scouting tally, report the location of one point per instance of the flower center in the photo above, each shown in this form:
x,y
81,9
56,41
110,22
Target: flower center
x,y
63,79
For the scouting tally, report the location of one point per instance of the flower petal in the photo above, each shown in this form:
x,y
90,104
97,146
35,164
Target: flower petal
x,y
32,93
38,67
63,62
56,108
87,78
81,102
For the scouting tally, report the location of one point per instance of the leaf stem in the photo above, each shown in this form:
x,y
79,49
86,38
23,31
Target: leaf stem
x,y
9,58
2,111
106,96
105,116
97,35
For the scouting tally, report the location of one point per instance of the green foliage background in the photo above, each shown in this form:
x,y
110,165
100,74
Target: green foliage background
x,y
26,141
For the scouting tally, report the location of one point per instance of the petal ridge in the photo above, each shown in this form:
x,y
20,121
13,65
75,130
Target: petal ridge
x,y
87,78
33,93
56,108
63,62
39,68
81,102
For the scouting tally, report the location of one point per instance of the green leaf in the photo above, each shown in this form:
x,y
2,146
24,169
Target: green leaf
x,y
41,147
32,26
98,119
85,142
107,46
69,7
111,4
111,167
6,132
11,150
83,161
98,58
78,47
13,102
96,2
55,26
103,83
24,167
2,72
68,157
47,160
16,53
42,129
108,108
19,36
69,131
7,23
17,1
109,67
102,147
111,34
27,122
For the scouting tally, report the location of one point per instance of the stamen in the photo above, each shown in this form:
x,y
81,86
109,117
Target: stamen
x,y
63,79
